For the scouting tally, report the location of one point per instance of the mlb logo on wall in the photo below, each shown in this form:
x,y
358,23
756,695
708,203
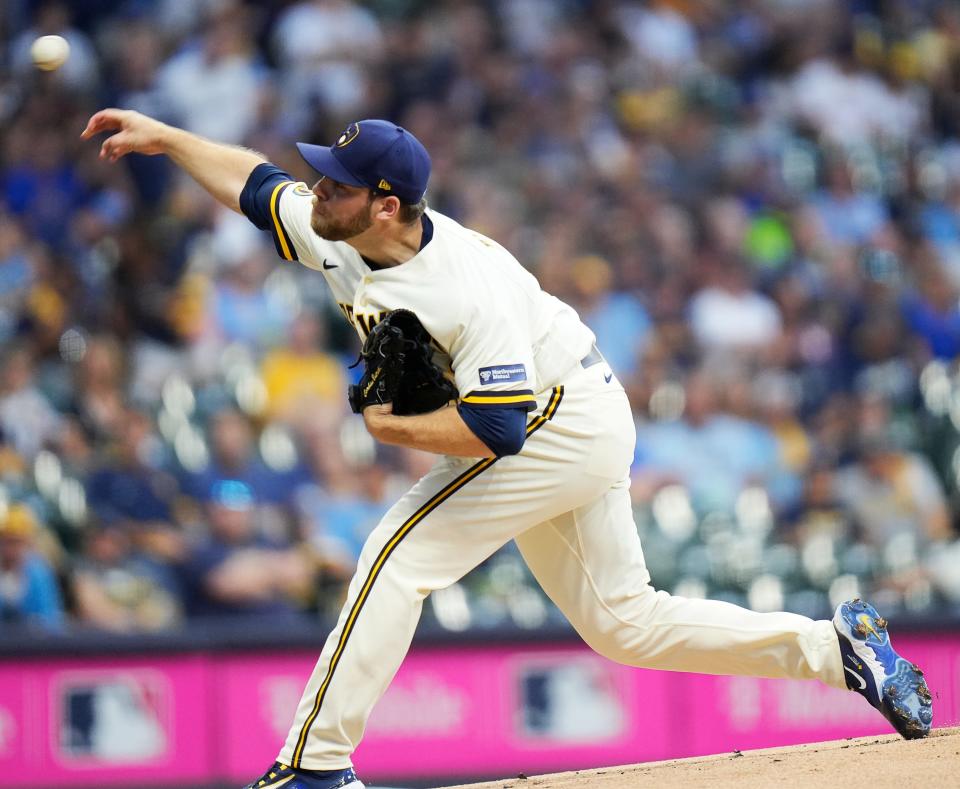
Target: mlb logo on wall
x,y
116,717
503,374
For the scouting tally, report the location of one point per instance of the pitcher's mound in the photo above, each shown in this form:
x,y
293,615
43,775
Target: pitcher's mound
x,y
882,762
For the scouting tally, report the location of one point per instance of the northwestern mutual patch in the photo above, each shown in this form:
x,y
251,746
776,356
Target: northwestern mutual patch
x,y
503,374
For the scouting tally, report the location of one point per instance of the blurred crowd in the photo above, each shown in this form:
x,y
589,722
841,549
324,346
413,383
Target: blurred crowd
x,y
755,205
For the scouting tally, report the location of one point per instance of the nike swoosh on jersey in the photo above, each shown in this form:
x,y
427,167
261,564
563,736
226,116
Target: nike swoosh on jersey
x,y
607,378
328,266
860,680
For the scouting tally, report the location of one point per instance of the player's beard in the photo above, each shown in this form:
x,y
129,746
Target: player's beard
x,y
341,230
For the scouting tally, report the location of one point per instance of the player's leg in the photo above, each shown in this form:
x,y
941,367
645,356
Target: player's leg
x,y
590,562
453,519
403,559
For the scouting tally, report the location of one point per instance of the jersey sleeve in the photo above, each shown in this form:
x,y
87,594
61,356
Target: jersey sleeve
x,y
502,429
492,363
273,201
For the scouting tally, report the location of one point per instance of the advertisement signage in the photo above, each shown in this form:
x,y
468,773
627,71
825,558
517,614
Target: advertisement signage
x,y
192,720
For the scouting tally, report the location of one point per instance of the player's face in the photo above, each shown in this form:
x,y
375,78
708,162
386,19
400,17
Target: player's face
x,y
340,211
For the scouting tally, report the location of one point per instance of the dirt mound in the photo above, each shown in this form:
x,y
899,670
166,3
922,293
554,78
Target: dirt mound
x,y
886,762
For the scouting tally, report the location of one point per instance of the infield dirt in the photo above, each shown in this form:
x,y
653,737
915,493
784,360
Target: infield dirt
x,y
882,762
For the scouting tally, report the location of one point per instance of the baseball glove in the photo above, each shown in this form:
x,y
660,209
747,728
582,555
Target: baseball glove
x,y
399,369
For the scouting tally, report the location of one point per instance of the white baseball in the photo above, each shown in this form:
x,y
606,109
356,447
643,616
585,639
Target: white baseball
x,y
49,52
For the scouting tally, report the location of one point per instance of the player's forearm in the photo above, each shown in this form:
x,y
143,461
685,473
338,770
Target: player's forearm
x,y
442,432
220,169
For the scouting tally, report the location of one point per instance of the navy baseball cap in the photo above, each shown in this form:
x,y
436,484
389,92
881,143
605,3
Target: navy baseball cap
x,y
376,154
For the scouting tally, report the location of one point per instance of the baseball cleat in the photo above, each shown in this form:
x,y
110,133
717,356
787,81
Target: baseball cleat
x,y
891,684
289,778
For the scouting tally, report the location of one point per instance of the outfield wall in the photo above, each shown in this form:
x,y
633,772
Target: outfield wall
x,y
217,717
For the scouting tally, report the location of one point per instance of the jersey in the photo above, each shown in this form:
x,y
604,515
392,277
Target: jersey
x,y
498,334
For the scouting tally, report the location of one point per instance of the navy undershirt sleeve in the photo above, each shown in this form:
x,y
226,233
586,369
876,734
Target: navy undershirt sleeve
x,y
255,197
503,429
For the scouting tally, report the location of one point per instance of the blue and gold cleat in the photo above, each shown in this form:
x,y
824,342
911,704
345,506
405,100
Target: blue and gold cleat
x,y
289,778
891,684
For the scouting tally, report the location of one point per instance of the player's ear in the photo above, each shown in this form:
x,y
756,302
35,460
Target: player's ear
x,y
388,207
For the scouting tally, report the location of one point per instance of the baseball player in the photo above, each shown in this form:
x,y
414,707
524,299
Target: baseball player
x,y
537,449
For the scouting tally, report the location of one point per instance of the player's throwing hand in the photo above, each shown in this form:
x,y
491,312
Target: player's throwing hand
x,y
136,133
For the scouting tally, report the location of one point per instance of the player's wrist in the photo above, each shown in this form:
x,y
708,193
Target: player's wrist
x,y
170,140
377,418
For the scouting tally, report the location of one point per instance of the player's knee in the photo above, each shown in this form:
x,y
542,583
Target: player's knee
x,y
626,630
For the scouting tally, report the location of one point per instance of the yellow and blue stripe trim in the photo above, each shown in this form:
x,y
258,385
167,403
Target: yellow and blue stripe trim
x,y
406,527
275,777
280,236
522,397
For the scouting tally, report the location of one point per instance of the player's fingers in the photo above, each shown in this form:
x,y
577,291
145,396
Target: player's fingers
x,y
114,147
98,123
104,120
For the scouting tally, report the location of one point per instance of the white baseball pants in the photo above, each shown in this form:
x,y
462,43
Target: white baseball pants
x,y
565,501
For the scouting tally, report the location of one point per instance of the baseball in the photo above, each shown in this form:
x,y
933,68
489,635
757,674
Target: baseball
x,y
49,52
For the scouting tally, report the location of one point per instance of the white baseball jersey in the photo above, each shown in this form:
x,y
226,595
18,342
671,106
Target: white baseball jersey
x,y
564,498
504,339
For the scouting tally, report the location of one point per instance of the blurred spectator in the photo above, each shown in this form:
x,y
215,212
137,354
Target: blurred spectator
x,y
617,318
879,357
239,309
341,513
27,418
939,217
98,391
130,489
300,377
531,25
776,401
214,85
40,184
846,105
933,311
754,206
136,56
16,274
848,215
713,454
729,315
892,492
323,47
115,589
660,34
73,446
29,594
234,570
820,510
234,456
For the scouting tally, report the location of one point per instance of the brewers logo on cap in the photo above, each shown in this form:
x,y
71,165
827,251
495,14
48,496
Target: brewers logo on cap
x,y
349,135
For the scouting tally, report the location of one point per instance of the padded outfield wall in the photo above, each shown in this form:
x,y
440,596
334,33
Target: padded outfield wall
x,y
211,711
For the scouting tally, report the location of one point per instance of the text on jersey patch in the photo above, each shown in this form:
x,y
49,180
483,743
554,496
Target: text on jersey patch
x,y
508,373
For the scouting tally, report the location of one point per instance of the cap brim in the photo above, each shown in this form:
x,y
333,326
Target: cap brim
x,y
321,159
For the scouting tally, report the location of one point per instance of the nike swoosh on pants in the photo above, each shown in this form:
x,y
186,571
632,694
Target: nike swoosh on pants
x,y
863,684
